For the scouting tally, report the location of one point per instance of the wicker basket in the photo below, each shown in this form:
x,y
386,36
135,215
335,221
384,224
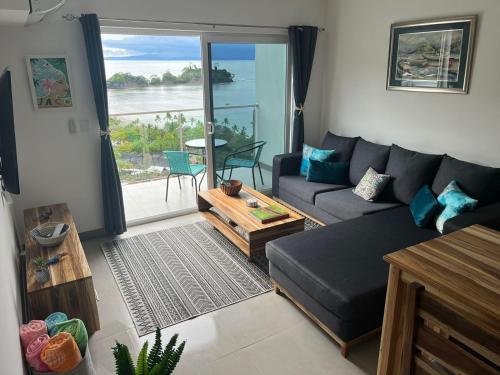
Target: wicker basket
x,y
86,367
231,187
43,234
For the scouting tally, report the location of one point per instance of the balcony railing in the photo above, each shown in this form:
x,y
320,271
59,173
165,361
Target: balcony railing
x,y
139,138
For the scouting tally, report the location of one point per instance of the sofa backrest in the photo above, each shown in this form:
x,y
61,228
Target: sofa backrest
x,y
367,154
410,170
343,146
477,181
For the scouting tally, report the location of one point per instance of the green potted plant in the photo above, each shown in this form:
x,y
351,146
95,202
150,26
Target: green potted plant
x,y
42,273
156,362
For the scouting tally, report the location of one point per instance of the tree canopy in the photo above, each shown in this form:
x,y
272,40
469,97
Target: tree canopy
x,y
189,74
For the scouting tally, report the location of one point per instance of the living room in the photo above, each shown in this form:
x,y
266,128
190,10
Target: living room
x,y
345,92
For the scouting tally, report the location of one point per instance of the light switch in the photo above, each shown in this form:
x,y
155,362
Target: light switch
x,y
72,126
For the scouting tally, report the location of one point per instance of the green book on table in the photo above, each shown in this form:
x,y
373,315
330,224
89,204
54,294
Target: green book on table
x,y
269,214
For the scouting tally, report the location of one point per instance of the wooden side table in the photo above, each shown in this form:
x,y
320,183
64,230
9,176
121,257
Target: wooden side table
x,y
443,306
70,288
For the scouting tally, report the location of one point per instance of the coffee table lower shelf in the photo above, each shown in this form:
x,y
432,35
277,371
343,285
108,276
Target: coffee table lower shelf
x,y
256,242
230,233
231,217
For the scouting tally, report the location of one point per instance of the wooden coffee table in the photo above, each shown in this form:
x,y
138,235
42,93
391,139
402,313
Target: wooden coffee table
x,y
234,221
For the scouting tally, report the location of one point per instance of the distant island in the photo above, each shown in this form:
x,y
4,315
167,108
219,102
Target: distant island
x,y
190,74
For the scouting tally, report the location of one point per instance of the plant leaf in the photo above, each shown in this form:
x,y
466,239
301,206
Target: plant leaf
x,y
123,360
171,344
174,359
155,354
142,365
170,358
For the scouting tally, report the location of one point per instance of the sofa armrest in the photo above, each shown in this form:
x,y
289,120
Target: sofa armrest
x,y
489,216
285,165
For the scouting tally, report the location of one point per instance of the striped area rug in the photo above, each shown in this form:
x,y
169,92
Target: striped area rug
x,y
176,274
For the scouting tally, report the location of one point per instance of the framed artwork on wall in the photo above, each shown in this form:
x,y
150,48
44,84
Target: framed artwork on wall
x,y
49,78
432,55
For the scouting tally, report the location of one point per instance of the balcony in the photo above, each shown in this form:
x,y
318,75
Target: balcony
x,y
140,138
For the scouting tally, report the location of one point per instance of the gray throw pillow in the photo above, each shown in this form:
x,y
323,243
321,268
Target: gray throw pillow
x,y
371,185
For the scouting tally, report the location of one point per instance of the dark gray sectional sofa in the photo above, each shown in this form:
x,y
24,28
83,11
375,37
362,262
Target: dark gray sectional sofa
x,y
336,273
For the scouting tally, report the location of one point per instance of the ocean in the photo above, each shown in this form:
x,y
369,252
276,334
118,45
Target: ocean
x,y
179,97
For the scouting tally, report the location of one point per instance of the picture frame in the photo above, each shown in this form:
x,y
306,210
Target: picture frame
x,y
432,55
50,82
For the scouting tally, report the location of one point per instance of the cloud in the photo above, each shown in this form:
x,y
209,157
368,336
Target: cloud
x,y
151,47
168,47
117,52
106,37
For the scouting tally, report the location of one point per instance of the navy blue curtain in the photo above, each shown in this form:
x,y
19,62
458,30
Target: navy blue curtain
x,y
303,44
112,197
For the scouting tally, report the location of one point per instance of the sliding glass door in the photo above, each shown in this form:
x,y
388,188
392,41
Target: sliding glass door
x,y
246,95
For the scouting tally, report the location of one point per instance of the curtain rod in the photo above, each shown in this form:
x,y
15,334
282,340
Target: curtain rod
x,y
72,17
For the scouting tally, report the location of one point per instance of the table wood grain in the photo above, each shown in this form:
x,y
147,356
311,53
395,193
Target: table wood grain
x,y
443,305
70,288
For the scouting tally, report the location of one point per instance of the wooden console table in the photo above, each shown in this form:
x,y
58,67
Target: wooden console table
x,y
443,306
70,288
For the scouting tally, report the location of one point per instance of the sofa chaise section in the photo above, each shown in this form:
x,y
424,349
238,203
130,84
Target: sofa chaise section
x,y
343,276
336,274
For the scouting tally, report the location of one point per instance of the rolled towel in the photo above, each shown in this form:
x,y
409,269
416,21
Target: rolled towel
x,y
77,329
31,331
61,354
53,319
33,353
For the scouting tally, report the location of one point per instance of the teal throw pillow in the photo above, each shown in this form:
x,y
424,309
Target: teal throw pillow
x,y
328,172
313,153
454,202
423,206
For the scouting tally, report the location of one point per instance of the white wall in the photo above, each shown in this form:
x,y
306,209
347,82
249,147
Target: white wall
x,y
11,355
357,103
56,166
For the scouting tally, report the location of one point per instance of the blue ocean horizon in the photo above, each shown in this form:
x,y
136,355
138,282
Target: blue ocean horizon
x,y
188,96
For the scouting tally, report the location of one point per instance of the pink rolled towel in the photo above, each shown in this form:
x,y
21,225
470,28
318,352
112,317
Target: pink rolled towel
x,y
31,331
33,353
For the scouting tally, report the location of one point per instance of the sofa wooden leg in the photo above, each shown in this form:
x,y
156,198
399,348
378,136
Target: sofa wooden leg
x,y
344,350
277,289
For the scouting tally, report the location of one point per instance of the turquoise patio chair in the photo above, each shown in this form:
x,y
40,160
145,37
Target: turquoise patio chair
x,y
246,156
179,165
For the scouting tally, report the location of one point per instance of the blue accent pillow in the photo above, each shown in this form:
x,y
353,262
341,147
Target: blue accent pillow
x,y
455,202
313,153
328,172
423,206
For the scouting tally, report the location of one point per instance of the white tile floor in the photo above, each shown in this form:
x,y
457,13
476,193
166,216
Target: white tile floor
x,y
147,199
260,336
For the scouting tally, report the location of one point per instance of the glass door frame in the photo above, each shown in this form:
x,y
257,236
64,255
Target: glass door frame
x,y
234,38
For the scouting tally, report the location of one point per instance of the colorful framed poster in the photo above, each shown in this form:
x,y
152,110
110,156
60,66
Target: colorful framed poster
x,y
49,78
432,55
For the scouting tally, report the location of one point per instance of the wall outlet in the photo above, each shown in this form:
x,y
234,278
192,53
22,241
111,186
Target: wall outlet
x,y
84,125
72,126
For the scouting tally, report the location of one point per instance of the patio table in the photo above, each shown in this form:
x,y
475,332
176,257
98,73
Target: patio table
x,y
200,143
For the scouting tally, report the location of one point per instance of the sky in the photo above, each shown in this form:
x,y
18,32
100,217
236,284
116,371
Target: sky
x,y
161,47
